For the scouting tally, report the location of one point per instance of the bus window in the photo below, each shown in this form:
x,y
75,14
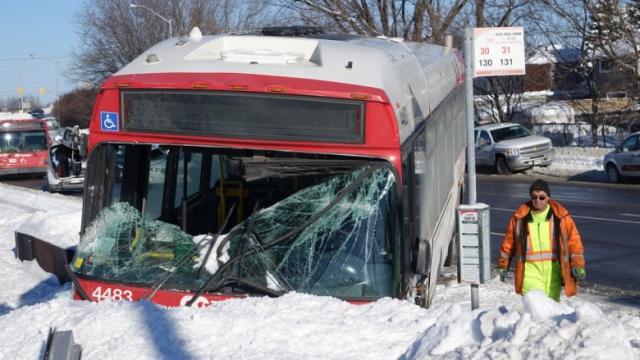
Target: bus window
x,y
155,188
20,141
193,170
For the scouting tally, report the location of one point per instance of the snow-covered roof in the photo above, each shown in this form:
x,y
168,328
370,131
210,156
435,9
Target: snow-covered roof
x,y
554,55
15,116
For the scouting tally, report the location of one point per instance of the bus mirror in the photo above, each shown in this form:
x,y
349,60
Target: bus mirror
x,y
422,257
82,146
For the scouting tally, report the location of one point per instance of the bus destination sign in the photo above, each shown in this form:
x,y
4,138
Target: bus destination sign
x,y
498,51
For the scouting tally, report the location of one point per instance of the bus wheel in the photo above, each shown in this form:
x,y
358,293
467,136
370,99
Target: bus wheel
x,y
501,166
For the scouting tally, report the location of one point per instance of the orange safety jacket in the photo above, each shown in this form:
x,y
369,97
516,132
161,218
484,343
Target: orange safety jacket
x,y
566,244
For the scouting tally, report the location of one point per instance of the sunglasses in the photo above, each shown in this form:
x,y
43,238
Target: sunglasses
x,y
539,197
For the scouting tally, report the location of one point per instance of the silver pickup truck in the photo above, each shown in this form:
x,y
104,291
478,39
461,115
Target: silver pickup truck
x,y
510,147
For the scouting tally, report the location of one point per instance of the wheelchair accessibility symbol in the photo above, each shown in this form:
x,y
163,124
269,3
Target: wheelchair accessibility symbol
x,y
109,121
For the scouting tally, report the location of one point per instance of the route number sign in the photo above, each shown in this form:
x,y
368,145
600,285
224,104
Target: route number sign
x,y
498,51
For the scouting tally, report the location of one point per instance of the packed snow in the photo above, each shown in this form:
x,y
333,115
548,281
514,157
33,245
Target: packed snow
x,y
578,163
294,326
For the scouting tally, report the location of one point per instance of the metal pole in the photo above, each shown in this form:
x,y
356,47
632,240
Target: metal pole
x,y
475,296
471,144
133,6
56,67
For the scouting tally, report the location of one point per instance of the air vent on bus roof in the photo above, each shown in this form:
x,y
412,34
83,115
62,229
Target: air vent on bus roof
x,y
292,31
259,50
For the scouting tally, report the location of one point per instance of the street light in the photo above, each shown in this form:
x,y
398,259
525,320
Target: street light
x,y
133,6
56,67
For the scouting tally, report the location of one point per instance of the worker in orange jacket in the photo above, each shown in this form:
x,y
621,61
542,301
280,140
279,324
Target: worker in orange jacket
x,y
544,241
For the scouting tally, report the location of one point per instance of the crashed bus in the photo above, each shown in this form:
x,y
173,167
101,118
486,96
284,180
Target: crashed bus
x,y
24,143
263,163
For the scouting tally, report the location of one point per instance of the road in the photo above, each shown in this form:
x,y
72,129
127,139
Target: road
x,y
38,183
608,219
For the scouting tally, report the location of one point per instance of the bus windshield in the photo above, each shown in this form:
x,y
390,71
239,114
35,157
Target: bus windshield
x,y
316,224
23,141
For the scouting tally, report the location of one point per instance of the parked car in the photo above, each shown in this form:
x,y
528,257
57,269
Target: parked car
x,y
624,162
67,160
511,147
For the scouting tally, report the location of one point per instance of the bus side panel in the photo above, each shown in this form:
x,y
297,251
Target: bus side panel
x,y
439,174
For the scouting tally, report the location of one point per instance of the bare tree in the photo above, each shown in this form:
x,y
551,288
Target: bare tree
x,y
416,20
498,97
113,33
603,30
15,103
74,107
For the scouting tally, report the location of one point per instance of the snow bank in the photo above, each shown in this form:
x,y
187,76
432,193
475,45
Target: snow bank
x,y
535,327
576,161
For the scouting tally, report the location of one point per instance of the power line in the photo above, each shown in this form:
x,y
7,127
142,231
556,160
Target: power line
x,y
30,58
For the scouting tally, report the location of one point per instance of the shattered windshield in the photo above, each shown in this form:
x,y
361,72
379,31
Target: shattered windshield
x,y
324,226
345,252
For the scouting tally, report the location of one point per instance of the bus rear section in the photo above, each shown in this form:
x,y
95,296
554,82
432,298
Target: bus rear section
x,y
23,147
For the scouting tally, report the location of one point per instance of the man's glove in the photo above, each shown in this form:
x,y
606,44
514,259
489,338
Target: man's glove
x,y
578,273
503,274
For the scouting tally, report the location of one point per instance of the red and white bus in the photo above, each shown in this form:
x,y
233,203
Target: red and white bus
x,y
234,165
24,144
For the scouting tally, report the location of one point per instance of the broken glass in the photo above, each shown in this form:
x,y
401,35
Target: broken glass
x,y
120,245
345,252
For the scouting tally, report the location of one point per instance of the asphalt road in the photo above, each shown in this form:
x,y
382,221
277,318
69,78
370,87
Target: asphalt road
x,y
608,219
31,182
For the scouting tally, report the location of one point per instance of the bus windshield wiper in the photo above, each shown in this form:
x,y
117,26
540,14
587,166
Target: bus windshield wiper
x,y
240,283
365,174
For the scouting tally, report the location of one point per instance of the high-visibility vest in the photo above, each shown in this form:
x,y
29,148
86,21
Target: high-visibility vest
x,y
541,268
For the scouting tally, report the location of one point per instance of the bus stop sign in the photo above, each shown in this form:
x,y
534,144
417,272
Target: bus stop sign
x,y
498,51
474,251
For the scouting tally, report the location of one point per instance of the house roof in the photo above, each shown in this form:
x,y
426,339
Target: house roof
x,y
554,55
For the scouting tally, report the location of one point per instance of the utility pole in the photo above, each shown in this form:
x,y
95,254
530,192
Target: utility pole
x,y
56,67
133,6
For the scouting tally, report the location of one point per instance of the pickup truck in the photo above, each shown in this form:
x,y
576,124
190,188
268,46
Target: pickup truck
x,y
510,147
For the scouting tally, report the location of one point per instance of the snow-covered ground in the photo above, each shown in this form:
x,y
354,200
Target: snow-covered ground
x,y
580,163
294,326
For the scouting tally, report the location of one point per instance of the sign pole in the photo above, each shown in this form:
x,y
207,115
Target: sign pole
x,y
468,87
471,144
487,52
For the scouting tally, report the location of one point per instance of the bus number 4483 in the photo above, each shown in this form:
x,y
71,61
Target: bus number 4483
x,y
114,294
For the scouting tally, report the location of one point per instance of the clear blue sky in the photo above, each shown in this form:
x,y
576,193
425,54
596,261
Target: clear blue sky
x,y
46,28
